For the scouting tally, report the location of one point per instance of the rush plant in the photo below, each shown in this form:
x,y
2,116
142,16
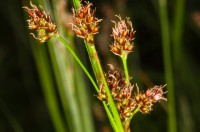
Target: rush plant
x,y
121,99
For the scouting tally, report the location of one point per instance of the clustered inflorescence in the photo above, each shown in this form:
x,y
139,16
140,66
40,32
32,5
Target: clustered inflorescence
x,y
123,35
147,99
86,26
125,101
120,91
41,22
85,23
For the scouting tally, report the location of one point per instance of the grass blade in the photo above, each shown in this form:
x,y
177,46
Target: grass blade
x,y
46,80
172,127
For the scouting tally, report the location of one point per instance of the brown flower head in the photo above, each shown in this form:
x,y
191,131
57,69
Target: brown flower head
x,y
120,91
41,22
147,99
155,94
85,23
125,101
123,35
143,102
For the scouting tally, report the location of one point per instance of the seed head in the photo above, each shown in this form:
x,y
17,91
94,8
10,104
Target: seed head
x,y
125,101
41,22
120,91
155,94
144,102
85,23
147,99
123,35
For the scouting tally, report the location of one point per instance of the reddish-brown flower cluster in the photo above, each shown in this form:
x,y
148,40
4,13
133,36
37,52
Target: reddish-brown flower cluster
x,y
41,22
85,23
123,35
147,99
121,92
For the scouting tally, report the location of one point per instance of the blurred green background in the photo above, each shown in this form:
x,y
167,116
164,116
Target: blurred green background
x,y
31,96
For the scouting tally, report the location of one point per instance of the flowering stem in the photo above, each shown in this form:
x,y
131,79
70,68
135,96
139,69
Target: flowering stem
x,y
95,62
78,61
101,79
124,60
127,123
110,117
91,79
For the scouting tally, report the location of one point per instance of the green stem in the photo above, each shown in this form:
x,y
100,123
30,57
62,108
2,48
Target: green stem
x,y
172,127
110,117
124,60
78,61
127,123
95,62
99,74
91,79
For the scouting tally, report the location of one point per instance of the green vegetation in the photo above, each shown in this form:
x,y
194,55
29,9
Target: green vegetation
x,y
65,85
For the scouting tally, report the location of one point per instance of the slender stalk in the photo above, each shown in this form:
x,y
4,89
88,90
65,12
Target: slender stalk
x,y
99,75
127,123
172,127
88,124
94,59
110,117
91,79
78,61
124,61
